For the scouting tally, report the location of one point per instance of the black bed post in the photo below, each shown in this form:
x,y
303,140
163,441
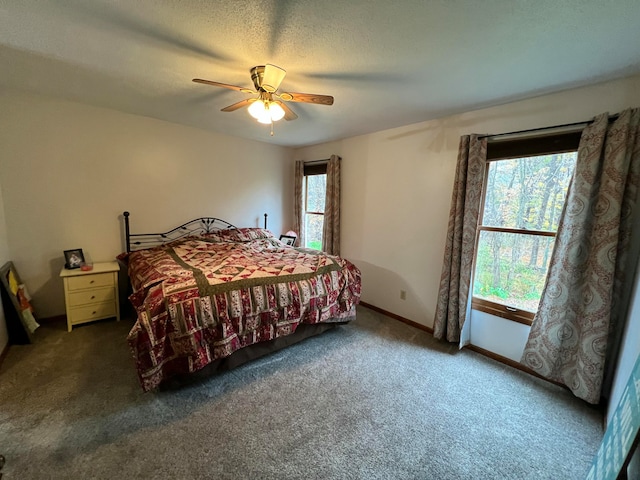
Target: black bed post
x,y
126,230
265,221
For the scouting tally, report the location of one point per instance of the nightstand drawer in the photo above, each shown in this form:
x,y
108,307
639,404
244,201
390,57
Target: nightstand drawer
x,y
90,281
96,295
92,312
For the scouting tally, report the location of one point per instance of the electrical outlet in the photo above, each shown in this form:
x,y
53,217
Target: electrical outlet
x,y
403,295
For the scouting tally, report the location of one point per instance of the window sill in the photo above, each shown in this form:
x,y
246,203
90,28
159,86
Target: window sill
x,y
504,311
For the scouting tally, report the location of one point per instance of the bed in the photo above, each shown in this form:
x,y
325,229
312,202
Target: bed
x,y
209,296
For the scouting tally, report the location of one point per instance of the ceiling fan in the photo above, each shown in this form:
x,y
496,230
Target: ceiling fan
x,y
269,106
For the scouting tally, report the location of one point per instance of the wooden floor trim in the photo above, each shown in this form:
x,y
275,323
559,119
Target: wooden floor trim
x,y
417,325
57,318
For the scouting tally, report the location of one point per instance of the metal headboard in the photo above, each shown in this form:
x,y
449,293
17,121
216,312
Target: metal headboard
x,y
198,226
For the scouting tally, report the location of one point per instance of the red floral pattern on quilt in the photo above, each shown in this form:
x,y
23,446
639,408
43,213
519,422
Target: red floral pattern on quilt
x,y
201,299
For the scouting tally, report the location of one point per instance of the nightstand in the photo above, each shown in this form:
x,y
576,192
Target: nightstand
x,y
91,295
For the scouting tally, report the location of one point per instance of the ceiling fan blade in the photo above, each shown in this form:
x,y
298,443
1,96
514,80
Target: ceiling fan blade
x,y
288,113
272,77
225,85
240,104
306,98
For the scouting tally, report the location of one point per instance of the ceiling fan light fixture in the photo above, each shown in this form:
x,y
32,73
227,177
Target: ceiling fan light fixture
x,y
272,78
256,109
265,111
277,112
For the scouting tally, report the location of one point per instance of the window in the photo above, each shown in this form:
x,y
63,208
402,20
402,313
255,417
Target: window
x,y
525,188
314,193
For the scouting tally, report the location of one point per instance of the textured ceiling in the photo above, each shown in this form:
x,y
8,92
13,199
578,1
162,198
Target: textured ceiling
x,y
386,63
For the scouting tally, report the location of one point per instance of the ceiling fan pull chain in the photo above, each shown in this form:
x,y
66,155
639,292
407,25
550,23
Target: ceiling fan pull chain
x,y
272,129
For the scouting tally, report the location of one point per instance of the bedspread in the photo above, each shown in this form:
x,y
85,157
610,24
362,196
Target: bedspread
x,y
201,299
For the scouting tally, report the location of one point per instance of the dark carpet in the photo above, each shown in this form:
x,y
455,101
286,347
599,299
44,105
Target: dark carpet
x,y
374,399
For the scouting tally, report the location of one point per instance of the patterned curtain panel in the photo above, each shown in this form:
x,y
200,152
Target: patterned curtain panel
x,y
297,202
579,308
331,228
451,310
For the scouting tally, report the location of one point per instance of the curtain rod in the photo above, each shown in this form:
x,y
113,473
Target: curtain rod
x,y
553,127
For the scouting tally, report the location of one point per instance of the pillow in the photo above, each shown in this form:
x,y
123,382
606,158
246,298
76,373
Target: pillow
x,y
125,256
238,235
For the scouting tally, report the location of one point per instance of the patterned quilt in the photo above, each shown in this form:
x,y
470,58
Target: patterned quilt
x,y
202,298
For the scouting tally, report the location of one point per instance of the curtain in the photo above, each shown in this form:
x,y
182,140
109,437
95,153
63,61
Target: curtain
x,y
298,221
580,306
451,309
331,228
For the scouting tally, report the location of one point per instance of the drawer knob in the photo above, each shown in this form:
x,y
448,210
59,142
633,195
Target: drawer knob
x,y
94,312
92,297
92,281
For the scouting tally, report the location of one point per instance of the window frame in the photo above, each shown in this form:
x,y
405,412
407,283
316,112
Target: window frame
x,y
513,149
311,169
306,196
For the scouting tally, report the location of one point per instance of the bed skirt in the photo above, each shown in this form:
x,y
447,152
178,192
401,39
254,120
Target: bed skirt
x,y
249,353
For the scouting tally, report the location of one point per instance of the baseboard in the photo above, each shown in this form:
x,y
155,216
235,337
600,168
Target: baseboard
x,y
481,351
417,325
57,318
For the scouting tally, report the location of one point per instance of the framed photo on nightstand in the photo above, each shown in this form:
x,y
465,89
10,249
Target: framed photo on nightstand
x,y
288,240
73,258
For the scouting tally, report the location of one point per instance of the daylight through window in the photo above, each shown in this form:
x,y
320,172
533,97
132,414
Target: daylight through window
x,y
315,187
523,201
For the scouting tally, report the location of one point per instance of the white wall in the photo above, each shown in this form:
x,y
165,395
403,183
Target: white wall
x,y
397,188
68,171
498,335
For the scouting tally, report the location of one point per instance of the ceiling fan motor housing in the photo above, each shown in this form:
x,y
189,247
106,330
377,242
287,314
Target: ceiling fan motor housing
x,y
267,78
257,74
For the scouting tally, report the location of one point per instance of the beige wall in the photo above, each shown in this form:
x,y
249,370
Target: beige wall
x,y
68,171
397,188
